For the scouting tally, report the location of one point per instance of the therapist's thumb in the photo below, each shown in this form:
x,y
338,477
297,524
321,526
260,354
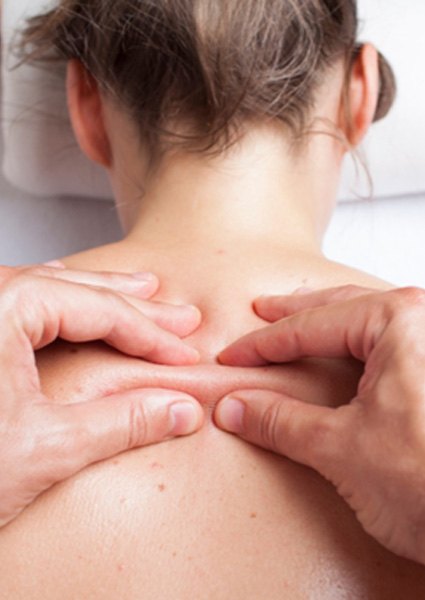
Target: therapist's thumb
x,y
300,431
97,430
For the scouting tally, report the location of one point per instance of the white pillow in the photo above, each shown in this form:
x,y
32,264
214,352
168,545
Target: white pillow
x,y
40,152
41,156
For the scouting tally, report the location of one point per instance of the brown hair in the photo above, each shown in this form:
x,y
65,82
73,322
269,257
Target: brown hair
x,y
217,63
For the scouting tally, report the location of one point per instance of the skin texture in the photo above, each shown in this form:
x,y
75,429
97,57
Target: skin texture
x,y
207,516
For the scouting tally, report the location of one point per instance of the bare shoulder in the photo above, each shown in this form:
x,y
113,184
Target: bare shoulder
x,y
334,274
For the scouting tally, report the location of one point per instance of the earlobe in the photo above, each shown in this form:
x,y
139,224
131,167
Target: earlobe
x,y
85,110
362,93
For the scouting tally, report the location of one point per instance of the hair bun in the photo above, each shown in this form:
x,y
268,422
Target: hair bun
x,y
388,88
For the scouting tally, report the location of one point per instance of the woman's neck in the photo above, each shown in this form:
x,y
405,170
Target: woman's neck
x,y
256,195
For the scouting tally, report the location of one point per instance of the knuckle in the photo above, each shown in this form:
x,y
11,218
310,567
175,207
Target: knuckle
x,y
6,273
35,455
406,305
408,297
25,304
54,448
21,281
18,291
44,443
408,341
138,427
271,425
321,439
284,430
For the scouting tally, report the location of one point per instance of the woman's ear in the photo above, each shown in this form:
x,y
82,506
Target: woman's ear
x,y
86,113
361,96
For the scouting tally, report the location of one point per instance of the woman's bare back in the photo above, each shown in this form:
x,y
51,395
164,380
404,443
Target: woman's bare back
x,y
206,516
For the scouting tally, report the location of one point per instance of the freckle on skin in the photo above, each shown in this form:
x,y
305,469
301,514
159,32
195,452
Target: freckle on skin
x,y
161,487
120,568
253,515
156,465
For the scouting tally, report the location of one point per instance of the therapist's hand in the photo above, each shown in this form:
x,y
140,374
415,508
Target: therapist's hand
x,y
42,443
373,449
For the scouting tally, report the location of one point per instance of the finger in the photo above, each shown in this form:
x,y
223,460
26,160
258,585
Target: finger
x,y
181,320
345,329
77,435
8,272
141,285
78,313
274,308
302,432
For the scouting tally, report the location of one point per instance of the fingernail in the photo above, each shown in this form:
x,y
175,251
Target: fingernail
x,y
302,291
196,313
230,415
194,309
144,277
55,264
184,418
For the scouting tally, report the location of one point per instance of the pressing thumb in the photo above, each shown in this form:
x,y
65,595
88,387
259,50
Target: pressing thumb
x,y
275,422
100,429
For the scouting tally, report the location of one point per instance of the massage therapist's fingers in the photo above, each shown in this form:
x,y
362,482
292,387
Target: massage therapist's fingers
x,y
138,288
129,420
179,319
42,443
100,429
302,432
274,308
48,443
140,285
182,320
42,312
372,449
344,329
